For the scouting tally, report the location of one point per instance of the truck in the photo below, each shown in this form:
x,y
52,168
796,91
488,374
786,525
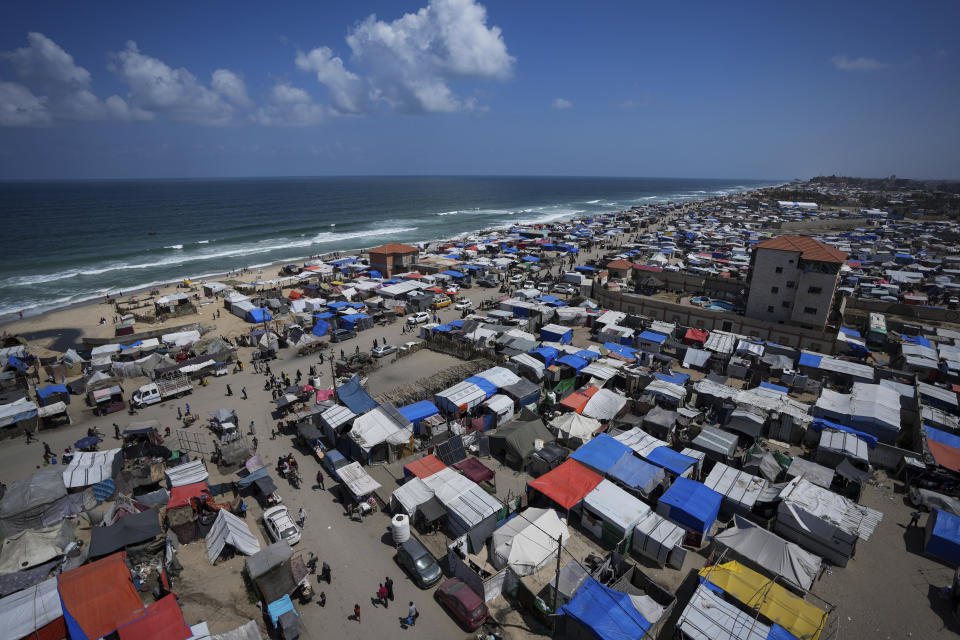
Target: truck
x,y
162,389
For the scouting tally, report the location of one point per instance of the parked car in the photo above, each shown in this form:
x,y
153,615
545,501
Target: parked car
x,y
281,525
563,287
418,318
383,350
517,279
339,335
407,346
486,282
466,303
418,563
465,605
439,302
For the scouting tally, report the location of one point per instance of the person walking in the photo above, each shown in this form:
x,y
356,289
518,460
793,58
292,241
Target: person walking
x,y
388,583
356,612
255,443
188,408
229,391
302,515
914,520
252,431
179,414
46,451
243,392
382,595
374,343
320,479
116,431
321,357
412,615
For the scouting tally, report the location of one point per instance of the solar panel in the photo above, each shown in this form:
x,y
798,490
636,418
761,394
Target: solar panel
x,y
484,445
451,451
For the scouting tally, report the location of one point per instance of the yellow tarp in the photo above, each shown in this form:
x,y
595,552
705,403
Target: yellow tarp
x,y
758,592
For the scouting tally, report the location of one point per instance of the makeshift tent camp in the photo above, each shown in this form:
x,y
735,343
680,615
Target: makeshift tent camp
x,y
163,621
660,540
35,546
571,425
128,530
942,537
767,552
99,597
602,613
604,405
527,542
610,514
636,474
601,453
709,617
270,571
690,504
229,529
517,441
87,468
801,619
567,484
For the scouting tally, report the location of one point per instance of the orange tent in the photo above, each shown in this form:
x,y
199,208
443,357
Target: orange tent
x,y
163,621
577,400
425,466
99,597
180,496
568,484
295,295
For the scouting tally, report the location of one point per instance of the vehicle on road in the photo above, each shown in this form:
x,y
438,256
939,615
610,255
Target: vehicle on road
x,y
281,525
466,303
162,389
339,335
439,302
421,317
407,346
418,563
517,279
383,350
486,282
465,605
563,287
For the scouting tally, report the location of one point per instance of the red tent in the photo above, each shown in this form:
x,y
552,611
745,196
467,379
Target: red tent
x,y
475,470
568,484
423,467
696,335
577,400
163,621
99,597
180,496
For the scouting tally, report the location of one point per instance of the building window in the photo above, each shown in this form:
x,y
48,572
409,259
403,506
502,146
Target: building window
x,y
815,290
810,310
774,289
770,309
785,304
779,269
790,261
790,284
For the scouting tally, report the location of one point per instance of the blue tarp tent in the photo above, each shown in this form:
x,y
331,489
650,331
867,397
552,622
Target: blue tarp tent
x,y
488,387
321,328
944,539
572,361
587,355
373,273
419,411
692,505
635,473
326,315
356,397
279,607
651,336
853,333
258,315
601,453
677,378
453,274
354,320
530,259
819,424
555,333
620,350
809,360
17,363
252,477
548,299
774,387
547,354
605,613
670,460
919,340
49,390
442,328
339,304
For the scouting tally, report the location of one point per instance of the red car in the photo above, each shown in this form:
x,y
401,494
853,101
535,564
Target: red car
x,y
463,602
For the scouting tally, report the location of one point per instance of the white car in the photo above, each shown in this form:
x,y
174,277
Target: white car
x,y
516,279
383,350
418,318
466,303
451,288
407,346
281,525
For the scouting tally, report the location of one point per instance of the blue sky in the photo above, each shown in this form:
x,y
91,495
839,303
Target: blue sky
x,y
740,90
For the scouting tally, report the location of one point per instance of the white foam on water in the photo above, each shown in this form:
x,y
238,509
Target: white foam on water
x,y
174,246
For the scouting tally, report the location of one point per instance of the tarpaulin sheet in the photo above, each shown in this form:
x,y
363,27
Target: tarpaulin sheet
x,y
620,350
423,467
601,453
769,551
945,447
99,597
802,619
691,504
820,424
572,361
607,614
475,470
547,354
567,484
696,335
944,537
180,496
163,621
578,399
809,360
635,473
24,613
670,460
356,397
419,410
489,389
128,530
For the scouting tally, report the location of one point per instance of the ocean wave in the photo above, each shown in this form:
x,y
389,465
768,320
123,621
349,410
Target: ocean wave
x,y
449,213
203,242
174,246
592,202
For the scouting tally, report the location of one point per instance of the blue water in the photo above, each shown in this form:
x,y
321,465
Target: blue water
x,y
65,242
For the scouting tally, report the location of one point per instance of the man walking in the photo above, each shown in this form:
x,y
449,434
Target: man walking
x,y
243,391
116,431
302,515
412,615
320,479
388,583
914,520
179,414
252,431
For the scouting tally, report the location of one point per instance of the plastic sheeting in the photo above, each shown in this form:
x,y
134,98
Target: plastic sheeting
x,y
528,541
229,529
87,468
607,614
567,484
379,426
163,621
34,547
655,537
709,617
467,502
692,505
357,479
189,473
411,494
99,597
601,453
943,536
604,405
637,474
574,425
23,613
771,553
615,506
738,488
460,397
355,397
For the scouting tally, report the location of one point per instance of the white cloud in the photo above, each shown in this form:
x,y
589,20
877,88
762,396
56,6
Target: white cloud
x,y
231,86
347,89
846,63
409,63
176,93
290,106
20,108
562,103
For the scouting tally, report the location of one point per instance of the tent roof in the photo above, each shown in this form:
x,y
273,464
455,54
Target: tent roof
x,y
163,621
411,494
604,405
419,410
708,617
567,484
24,612
616,505
130,529
189,473
772,553
229,529
574,425
33,547
692,504
527,541
355,397
357,479
99,597
42,487
475,470
425,466
180,496
88,468
608,614
579,399
636,473
601,453
670,460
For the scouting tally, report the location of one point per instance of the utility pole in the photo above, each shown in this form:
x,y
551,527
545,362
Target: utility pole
x,y
333,375
556,586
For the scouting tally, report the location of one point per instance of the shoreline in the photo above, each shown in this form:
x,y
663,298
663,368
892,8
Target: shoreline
x,y
12,319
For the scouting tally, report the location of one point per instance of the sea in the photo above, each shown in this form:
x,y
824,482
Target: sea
x,y
67,242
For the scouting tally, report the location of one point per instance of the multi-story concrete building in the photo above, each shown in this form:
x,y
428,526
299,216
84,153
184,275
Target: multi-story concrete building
x,y
793,279
393,258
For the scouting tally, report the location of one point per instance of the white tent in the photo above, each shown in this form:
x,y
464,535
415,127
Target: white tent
x,y
739,489
499,377
377,426
33,547
528,542
88,468
613,505
24,612
640,441
709,617
502,407
574,425
771,554
229,529
187,474
467,503
357,479
460,397
660,540
526,360
180,338
410,495
604,405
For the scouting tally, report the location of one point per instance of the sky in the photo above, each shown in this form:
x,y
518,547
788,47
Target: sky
x,y
686,89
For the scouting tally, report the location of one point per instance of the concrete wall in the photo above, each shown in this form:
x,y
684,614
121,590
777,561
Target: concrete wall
x,y
710,286
770,298
696,317
822,302
908,312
